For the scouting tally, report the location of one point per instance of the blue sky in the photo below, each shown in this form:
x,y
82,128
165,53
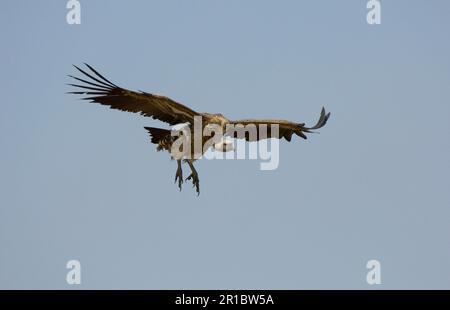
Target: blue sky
x,y
80,181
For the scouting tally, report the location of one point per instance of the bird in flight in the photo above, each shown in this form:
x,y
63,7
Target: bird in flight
x,y
96,88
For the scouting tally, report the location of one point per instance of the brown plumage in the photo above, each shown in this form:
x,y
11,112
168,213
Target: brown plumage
x,y
100,90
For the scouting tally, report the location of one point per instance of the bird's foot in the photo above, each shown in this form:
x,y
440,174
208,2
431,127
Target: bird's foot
x,y
195,181
179,177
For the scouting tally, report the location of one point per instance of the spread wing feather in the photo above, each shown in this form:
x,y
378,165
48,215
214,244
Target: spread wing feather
x,y
97,88
285,128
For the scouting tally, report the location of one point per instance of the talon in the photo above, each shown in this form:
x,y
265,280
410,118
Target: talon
x,y
195,182
179,178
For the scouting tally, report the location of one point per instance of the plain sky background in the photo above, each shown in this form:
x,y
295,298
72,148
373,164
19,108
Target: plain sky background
x,y
81,181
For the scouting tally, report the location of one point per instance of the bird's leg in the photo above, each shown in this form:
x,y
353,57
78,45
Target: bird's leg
x,y
194,177
179,174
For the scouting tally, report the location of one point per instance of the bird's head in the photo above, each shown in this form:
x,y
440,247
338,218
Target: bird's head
x,y
224,146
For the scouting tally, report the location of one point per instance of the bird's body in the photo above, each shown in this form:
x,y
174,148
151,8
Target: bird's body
x,y
102,91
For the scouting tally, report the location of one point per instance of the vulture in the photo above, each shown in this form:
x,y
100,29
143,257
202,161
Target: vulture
x,y
94,87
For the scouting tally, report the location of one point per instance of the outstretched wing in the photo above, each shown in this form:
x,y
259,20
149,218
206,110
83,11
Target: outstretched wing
x,y
99,89
243,128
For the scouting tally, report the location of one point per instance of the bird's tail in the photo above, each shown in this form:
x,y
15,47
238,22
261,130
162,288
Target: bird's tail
x,y
157,134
